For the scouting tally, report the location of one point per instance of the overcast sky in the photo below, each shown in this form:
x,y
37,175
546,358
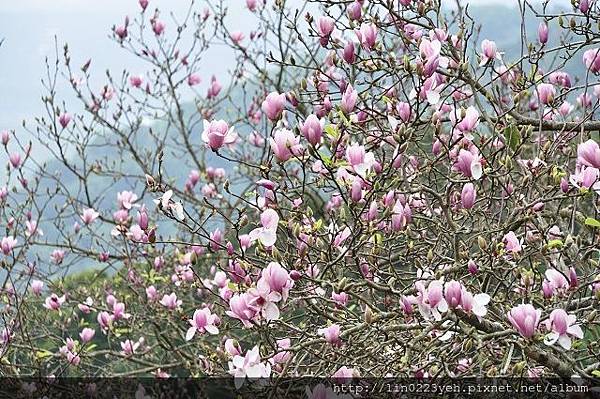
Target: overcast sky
x,y
29,27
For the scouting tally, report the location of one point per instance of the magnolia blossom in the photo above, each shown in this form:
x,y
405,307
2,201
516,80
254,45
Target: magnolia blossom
x,y
202,321
367,35
525,319
489,51
469,164
591,59
285,144
267,234
312,129
129,347
170,301
349,99
216,134
468,196
53,302
166,205
278,279
273,105
8,244
248,366
512,243
331,334
588,154
562,327
87,334
89,215
360,160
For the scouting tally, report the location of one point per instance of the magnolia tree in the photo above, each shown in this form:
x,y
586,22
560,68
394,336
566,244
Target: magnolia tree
x,y
376,190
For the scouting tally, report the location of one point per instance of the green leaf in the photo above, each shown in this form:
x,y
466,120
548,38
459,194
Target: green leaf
x,y
592,222
596,373
42,354
331,131
555,244
513,137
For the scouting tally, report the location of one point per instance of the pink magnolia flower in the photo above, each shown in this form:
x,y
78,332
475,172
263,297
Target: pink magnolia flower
x,y
36,287
340,299
251,4
64,119
587,178
53,302
241,308
401,216
105,320
129,347
512,243
545,93
453,293
489,51
265,300
469,122
474,303
431,53
216,134
202,321
214,89
136,80
8,244
267,234
89,215
193,79
326,26
15,159
469,164
57,256
562,327
556,281
543,32
591,59
237,37
158,26
360,160
32,228
431,301
348,53
349,99
367,35
468,196
312,129
588,154
126,199
87,334
331,334
285,144
273,105
525,319
560,78
248,366
278,279
404,111
170,301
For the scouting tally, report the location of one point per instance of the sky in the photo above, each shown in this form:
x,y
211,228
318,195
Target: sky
x,y
29,27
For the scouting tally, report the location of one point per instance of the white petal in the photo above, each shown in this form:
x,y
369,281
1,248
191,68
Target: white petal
x,y
476,170
190,333
575,331
268,237
551,338
212,329
433,97
271,311
565,341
